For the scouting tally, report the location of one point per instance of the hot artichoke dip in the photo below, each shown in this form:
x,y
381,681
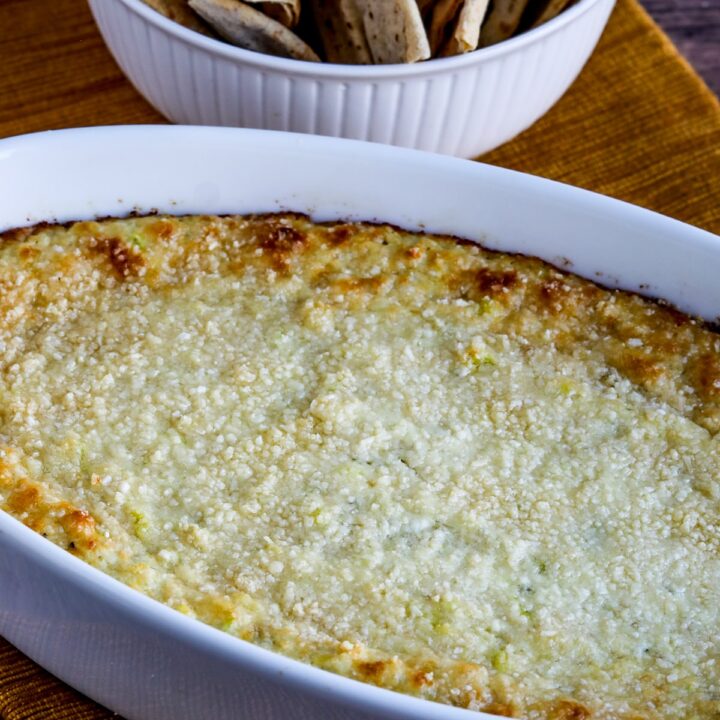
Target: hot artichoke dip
x,y
455,473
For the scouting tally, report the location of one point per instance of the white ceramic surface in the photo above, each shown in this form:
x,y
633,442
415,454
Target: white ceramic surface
x,y
461,106
148,662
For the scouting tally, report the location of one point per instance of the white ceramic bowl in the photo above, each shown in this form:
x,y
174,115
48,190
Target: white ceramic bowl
x,y
144,660
462,105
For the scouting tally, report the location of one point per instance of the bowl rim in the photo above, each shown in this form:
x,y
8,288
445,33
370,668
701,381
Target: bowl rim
x,y
358,72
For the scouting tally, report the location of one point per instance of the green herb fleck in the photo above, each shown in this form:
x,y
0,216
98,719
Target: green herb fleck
x,y
137,242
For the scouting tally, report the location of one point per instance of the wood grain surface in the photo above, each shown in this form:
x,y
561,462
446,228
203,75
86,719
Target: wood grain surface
x,y
57,73
694,27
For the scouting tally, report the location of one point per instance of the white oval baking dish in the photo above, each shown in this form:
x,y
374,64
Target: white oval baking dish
x,y
132,654
463,105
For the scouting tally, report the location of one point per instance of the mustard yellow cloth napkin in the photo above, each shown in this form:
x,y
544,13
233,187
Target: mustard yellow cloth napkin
x,y
638,125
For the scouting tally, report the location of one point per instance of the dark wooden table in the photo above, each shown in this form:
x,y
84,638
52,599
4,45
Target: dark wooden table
x,y
694,26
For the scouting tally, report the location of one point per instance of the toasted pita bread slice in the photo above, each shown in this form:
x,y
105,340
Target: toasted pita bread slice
x,y
286,12
249,28
339,23
395,31
179,11
551,10
426,7
466,34
502,21
442,19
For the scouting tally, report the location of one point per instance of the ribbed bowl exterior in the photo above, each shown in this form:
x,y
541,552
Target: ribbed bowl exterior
x,y
461,109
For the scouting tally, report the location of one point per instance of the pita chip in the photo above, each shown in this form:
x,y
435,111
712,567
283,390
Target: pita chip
x,y
286,12
179,11
248,28
442,19
426,7
339,23
502,21
394,30
466,33
551,10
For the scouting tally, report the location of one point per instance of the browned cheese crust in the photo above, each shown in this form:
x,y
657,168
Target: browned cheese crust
x,y
54,275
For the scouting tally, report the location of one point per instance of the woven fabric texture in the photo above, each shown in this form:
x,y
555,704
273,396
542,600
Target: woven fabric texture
x,y
638,124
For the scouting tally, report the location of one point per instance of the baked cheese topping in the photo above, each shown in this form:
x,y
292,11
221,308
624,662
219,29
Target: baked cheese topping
x,y
455,473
